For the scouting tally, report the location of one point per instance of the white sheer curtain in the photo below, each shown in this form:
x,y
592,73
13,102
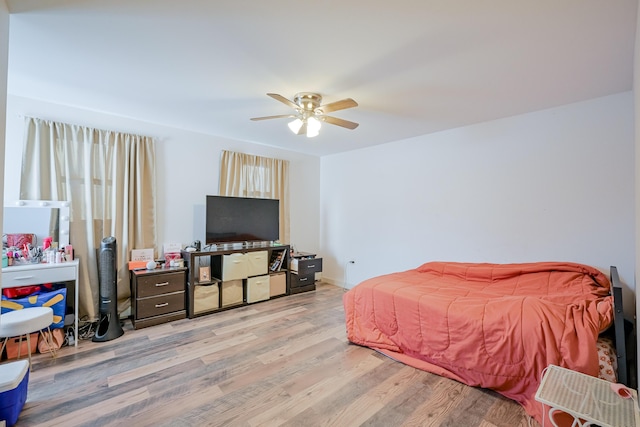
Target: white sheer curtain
x,y
109,179
245,175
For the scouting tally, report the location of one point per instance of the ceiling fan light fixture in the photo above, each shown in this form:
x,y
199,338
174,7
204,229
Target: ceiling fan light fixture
x,y
313,127
295,125
310,113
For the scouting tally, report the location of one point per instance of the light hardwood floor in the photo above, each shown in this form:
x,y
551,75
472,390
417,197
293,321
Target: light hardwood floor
x,y
279,362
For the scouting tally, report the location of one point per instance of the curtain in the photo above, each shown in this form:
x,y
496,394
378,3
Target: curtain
x,y
245,175
109,179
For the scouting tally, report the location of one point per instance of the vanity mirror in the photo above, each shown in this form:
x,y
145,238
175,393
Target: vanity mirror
x,y
41,217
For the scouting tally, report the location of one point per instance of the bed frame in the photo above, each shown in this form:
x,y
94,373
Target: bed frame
x,y
623,335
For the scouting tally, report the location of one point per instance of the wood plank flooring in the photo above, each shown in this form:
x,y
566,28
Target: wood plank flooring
x,y
280,362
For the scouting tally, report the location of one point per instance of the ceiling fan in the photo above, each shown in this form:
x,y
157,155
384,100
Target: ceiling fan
x,y
310,113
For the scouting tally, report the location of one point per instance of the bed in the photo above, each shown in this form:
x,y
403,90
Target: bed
x,y
496,326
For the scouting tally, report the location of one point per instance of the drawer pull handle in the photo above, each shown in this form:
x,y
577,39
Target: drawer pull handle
x,y
311,266
24,277
164,304
304,279
162,284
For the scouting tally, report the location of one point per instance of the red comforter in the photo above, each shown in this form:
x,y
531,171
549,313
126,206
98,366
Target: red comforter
x,y
495,326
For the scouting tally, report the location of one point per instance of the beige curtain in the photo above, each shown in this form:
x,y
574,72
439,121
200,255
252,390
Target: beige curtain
x,y
245,175
109,179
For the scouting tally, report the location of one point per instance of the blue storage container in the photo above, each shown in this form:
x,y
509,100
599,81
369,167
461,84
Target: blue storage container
x,y
14,377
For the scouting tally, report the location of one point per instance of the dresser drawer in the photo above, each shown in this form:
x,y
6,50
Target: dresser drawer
x,y
299,280
22,276
162,304
302,283
308,266
157,284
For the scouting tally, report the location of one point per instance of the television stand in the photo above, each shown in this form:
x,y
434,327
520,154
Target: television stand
x,y
231,275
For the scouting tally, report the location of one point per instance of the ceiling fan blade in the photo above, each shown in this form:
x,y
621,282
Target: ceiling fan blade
x,y
338,105
283,100
281,116
340,122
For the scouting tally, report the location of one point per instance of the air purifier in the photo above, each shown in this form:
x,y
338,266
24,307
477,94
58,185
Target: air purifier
x,y
109,327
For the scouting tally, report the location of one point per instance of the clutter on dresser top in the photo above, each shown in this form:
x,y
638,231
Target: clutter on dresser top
x,y
30,254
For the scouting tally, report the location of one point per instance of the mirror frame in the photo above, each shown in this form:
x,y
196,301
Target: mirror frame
x,y
63,218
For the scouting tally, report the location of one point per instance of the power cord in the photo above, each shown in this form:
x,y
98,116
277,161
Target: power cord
x,y
86,328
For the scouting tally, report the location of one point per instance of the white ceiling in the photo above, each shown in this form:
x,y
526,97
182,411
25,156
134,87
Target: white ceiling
x,y
415,67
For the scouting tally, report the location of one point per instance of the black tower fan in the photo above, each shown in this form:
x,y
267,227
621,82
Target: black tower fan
x,y
109,327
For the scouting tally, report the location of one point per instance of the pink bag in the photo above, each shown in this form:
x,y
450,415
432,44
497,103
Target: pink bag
x,y
20,239
57,339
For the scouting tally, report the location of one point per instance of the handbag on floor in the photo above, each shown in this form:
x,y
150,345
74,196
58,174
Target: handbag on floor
x,y
57,340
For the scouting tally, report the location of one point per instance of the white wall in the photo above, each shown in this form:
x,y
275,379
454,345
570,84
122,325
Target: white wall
x,y
554,185
188,166
4,64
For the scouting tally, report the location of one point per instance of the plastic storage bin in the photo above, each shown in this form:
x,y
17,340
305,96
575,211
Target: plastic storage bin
x,y
14,377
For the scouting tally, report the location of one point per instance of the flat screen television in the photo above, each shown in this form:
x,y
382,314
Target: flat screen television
x,y
241,219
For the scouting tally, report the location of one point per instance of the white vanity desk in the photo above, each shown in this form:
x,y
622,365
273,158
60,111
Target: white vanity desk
x,y
37,274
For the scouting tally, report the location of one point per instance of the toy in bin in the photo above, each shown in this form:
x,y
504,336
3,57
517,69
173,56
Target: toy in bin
x,y
14,378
